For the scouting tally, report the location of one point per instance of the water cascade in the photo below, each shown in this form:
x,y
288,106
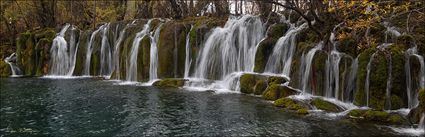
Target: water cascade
x,y
15,70
63,54
368,69
105,53
411,91
306,66
153,65
89,51
284,51
351,83
230,49
188,59
116,53
132,61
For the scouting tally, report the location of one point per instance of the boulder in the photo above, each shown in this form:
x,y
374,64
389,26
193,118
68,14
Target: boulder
x,y
291,104
275,91
326,105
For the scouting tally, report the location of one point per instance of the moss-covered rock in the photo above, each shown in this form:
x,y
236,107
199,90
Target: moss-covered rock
x,y
248,82
170,83
325,105
266,46
415,114
363,60
374,116
288,103
276,80
275,91
5,70
260,87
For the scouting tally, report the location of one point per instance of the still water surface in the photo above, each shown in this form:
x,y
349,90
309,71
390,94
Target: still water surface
x,y
89,107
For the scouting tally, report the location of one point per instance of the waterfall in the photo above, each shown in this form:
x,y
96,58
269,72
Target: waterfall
x,y
230,48
105,53
188,60
390,31
388,87
307,67
411,92
368,68
63,59
284,51
153,65
15,70
332,74
351,83
116,53
90,50
132,60
422,122
369,65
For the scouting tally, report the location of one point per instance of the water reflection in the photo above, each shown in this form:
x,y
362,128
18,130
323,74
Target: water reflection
x,y
75,107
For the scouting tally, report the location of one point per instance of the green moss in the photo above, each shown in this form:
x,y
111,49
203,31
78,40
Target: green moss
x,y
406,40
395,119
266,46
325,105
421,97
170,83
260,87
363,60
4,69
379,116
396,102
289,104
357,112
247,83
302,111
274,92
276,80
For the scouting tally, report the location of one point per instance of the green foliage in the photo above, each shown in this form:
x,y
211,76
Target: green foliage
x,y
289,104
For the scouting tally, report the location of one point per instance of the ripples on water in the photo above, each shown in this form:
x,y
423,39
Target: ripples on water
x,y
72,107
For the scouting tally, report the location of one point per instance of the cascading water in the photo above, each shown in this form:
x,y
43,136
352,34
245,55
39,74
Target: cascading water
x,y
15,70
284,51
89,51
132,61
369,66
105,53
307,67
230,49
63,57
388,87
116,53
411,91
188,59
153,65
351,83
391,31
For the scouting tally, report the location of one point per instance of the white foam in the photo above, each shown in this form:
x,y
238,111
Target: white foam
x,y
409,131
65,77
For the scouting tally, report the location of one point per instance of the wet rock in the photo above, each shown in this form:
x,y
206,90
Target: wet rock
x,y
374,116
326,105
275,91
415,114
291,104
249,81
170,83
266,46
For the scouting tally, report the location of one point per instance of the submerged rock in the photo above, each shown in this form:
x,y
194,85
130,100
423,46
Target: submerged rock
x,y
170,83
